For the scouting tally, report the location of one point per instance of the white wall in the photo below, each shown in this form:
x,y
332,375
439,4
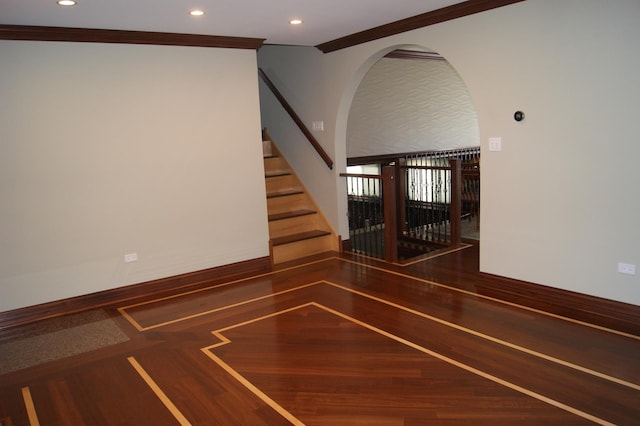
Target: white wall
x,y
301,82
560,203
114,149
408,105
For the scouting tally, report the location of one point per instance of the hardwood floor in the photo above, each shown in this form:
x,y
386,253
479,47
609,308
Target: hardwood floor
x,y
338,341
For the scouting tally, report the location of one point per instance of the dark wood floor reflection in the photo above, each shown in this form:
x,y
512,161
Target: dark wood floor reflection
x,y
338,342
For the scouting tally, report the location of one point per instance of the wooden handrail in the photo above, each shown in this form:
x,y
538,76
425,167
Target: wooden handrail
x,y
427,167
359,175
316,145
388,158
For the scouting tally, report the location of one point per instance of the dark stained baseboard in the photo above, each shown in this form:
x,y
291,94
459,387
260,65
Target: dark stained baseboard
x,y
602,312
607,313
156,288
598,311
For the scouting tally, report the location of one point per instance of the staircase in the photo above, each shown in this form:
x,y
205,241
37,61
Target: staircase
x,y
296,227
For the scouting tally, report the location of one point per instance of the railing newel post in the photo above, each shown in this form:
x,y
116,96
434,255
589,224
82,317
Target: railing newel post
x,y
401,185
390,217
455,214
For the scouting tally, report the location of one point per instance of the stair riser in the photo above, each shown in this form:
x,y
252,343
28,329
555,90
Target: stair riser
x,y
278,183
294,225
290,202
267,148
275,163
304,248
293,233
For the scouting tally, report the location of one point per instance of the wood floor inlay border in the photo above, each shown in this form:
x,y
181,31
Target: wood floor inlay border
x,y
493,299
139,327
411,311
30,407
495,340
223,340
123,310
182,420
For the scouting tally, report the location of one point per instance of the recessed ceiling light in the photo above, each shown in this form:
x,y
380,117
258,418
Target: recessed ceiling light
x,y
196,12
66,2
295,21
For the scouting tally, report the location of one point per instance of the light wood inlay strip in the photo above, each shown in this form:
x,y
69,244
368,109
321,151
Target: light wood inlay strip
x,y
471,369
31,408
268,400
239,377
210,311
417,313
494,339
159,393
504,302
459,290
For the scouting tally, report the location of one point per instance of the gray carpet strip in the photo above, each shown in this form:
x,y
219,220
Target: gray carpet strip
x,y
58,338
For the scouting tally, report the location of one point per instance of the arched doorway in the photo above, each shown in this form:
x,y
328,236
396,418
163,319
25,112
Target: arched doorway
x,y
411,108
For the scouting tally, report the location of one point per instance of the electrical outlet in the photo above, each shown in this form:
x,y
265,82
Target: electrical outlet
x,y
626,268
130,257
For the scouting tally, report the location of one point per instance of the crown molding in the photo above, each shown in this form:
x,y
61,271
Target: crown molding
x,y
90,35
455,11
414,54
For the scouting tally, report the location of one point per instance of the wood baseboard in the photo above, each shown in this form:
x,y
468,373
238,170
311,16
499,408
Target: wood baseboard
x,y
156,288
603,312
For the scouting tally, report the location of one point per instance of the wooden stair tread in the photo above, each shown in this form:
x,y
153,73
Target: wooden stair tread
x,y
276,173
290,214
296,227
285,192
292,238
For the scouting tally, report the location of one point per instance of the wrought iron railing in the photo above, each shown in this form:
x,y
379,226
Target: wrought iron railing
x,y
433,190
366,214
427,202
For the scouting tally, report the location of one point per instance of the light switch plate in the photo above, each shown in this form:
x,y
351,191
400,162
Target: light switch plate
x,y
495,144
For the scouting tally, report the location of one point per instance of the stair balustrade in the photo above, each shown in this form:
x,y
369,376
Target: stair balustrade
x,y
414,206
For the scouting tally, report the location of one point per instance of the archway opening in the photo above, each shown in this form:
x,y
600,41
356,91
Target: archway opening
x,y
411,110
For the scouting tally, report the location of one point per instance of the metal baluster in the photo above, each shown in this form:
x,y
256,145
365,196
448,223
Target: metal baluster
x,y
421,199
373,219
447,196
440,204
361,216
355,207
350,212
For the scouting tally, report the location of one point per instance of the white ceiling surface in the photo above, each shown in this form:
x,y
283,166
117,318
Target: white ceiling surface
x,y
324,20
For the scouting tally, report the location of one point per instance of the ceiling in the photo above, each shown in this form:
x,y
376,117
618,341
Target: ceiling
x,y
324,20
